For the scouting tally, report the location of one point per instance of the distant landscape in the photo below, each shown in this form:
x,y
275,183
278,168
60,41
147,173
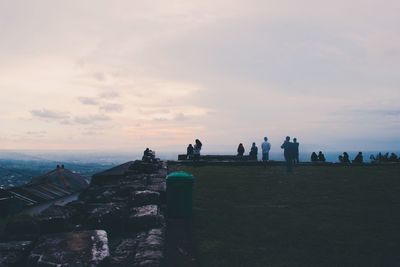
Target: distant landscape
x,y
19,167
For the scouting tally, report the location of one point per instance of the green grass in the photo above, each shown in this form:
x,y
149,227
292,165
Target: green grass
x,y
317,216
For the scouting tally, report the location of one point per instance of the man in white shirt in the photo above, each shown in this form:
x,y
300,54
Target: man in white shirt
x,y
266,147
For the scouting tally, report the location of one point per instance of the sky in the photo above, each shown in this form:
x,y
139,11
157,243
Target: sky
x,y
125,75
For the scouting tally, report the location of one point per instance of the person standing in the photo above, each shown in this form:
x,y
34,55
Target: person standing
x,y
287,147
295,151
189,151
265,147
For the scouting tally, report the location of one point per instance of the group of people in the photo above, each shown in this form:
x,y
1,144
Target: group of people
x,y
290,152
344,158
384,157
193,152
265,147
318,158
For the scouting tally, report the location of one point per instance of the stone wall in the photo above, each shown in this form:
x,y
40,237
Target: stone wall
x,y
117,221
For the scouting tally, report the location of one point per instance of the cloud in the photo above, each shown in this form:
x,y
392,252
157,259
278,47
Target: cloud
x,y
111,107
91,119
180,117
89,101
153,111
50,114
110,94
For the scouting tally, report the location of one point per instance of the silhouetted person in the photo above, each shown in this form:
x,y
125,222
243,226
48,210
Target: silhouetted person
x,y
265,147
196,149
148,155
295,151
321,157
189,151
393,157
346,158
340,158
253,151
359,158
314,157
240,150
287,147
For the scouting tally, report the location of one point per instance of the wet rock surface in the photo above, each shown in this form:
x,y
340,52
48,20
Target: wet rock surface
x,y
84,248
145,217
150,245
14,253
123,252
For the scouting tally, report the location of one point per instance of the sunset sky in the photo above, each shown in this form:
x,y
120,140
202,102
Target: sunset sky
x,y
125,75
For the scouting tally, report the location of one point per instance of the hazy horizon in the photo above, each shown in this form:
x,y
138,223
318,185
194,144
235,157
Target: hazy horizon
x,y
107,76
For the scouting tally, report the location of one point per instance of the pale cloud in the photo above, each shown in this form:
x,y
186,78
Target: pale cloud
x,y
89,101
92,119
49,114
111,107
109,94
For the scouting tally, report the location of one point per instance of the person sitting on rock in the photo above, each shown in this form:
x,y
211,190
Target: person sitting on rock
x,y
359,158
240,150
321,157
196,149
189,151
314,157
253,151
148,155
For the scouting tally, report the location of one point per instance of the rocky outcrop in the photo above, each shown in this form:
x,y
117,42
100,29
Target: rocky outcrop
x,y
117,221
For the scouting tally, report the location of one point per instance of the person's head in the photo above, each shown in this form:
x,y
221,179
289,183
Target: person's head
x,y
359,153
294,140
320,152
265,139
254,144
287,138
240,144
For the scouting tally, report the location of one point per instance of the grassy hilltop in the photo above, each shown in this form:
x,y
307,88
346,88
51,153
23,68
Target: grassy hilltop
x,y
316,216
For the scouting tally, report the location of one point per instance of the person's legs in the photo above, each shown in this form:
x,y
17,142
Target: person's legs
x,y
289,162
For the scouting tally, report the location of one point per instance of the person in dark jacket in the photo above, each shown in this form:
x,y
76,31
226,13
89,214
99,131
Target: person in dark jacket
x,y
314,157
346,158
288,152
253,151
359,158
321,157
240,150
189,151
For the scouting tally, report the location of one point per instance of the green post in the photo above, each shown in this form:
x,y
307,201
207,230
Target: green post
x,y
180,194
